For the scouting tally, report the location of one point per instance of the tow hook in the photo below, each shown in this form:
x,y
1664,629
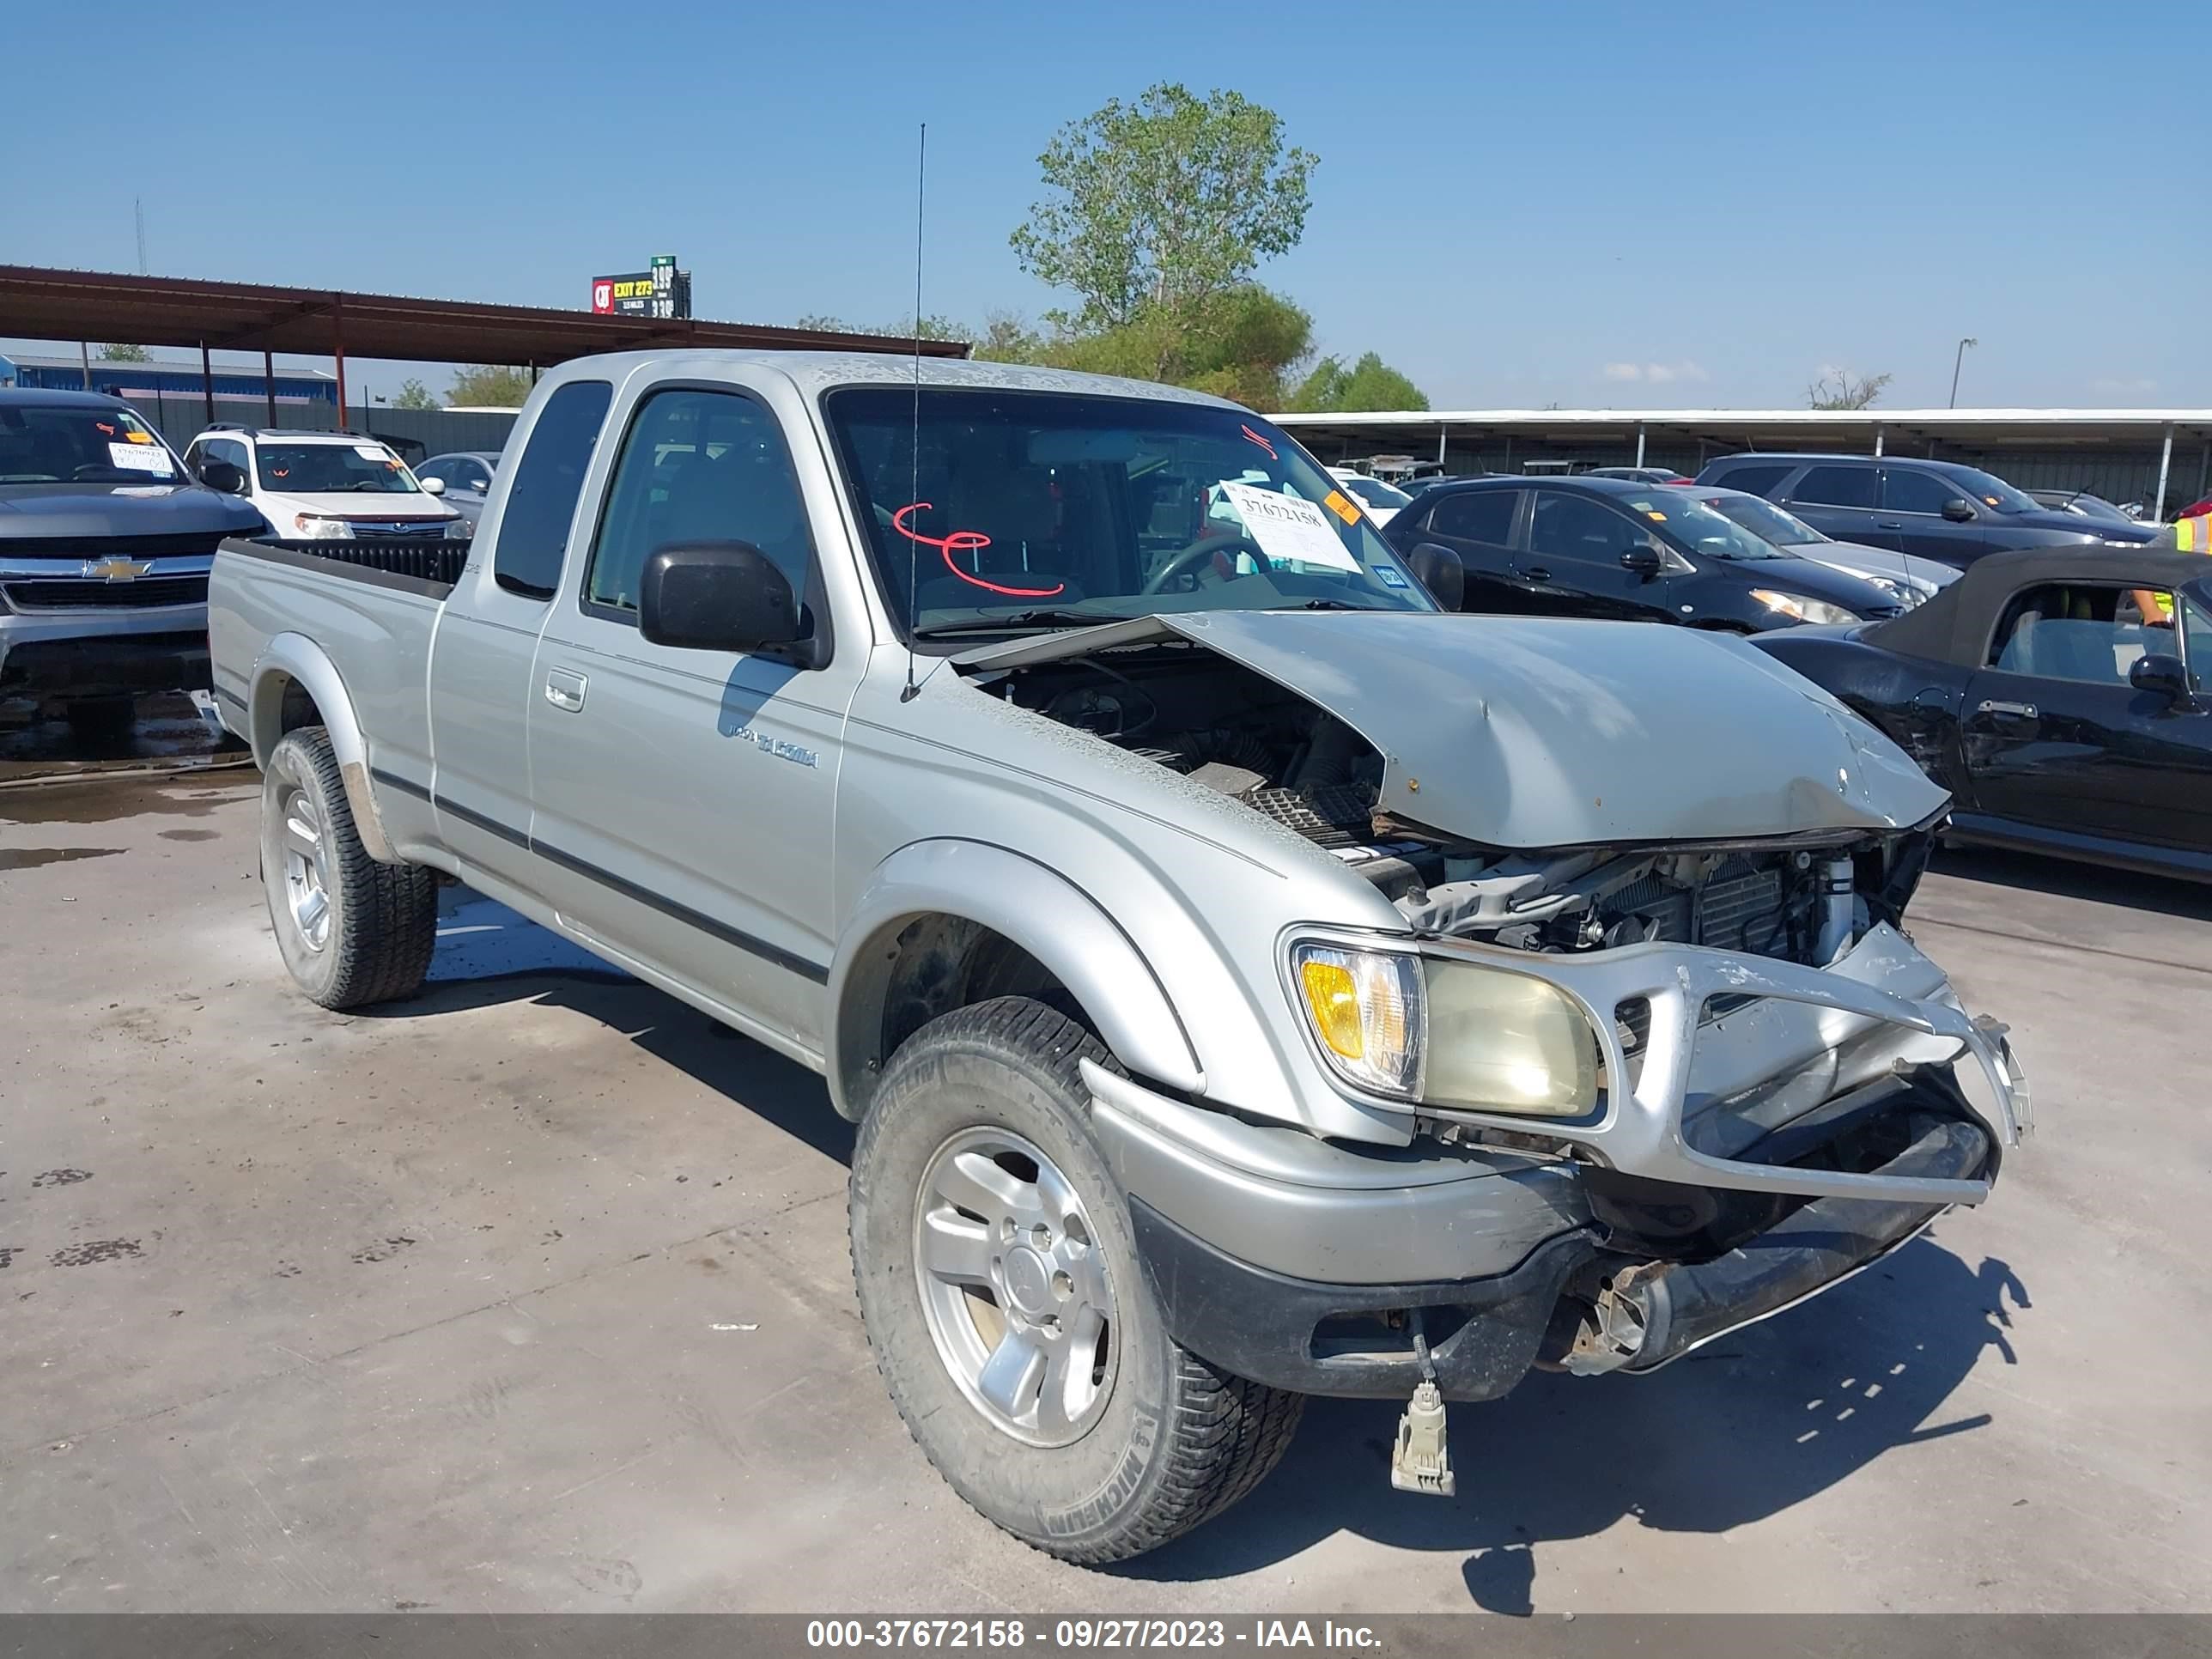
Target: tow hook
x,y
1422,1460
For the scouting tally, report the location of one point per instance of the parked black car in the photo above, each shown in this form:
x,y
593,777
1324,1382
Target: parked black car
x,y
2058,695
1608,547
1933,509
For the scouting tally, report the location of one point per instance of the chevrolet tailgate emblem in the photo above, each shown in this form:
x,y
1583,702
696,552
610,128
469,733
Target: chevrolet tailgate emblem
x,y
115,570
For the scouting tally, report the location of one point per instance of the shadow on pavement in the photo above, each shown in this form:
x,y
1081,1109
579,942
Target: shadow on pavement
x,y
488,955
2064,878
1735,1432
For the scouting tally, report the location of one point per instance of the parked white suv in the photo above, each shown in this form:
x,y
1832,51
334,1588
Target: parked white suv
x,y
319,485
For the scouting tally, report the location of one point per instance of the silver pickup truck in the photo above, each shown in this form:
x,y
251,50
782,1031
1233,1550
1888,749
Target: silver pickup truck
x,y
1249,980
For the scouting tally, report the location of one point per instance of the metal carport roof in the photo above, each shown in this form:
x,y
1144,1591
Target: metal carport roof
x,y
44,304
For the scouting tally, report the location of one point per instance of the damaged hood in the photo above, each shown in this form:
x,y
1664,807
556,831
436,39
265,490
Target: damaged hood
x,y
1556,732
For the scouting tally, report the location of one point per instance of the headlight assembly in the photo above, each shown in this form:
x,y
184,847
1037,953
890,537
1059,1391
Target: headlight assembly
x,y
1800,608
317,527
1502,1041
1448,1033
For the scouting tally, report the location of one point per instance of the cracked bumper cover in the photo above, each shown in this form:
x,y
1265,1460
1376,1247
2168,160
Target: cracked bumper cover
x,y
1259,1238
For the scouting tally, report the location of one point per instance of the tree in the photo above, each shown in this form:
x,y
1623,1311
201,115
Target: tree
x,y
933,328
1169,200
498,385
1006,338
1369,383
1838,389
413,394
124,354
1243,342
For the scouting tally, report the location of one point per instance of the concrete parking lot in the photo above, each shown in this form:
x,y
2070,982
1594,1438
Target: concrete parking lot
x,y
532,1294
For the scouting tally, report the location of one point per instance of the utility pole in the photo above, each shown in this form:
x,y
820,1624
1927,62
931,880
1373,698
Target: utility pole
x,y
1958,359
138,215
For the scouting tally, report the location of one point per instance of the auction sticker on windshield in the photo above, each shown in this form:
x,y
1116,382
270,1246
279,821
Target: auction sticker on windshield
x,y
140,457
1287,529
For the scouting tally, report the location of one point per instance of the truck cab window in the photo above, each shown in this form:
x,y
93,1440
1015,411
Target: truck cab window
x,y
697,466
533,534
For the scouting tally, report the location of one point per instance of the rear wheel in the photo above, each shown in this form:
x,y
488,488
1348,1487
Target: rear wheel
x,y
353,931
1013,1320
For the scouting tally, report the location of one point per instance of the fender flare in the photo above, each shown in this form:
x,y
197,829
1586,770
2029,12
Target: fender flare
x,y
296,657
1029,902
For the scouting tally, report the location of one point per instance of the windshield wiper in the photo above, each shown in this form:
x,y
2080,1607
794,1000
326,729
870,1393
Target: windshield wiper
x,y
1014,622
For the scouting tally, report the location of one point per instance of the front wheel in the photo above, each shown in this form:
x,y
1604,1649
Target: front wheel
x,y
1010,1316
352,930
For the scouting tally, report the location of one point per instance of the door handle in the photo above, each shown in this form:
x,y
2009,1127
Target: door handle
x,y
1889,524
2025,710
564,690
1537,574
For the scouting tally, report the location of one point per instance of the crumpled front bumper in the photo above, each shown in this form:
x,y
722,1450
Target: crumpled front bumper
x,y
1787,1042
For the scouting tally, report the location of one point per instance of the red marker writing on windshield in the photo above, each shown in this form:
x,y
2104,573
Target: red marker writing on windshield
x,y
965,541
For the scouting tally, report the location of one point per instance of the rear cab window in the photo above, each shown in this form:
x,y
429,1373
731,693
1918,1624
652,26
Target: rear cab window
x,y
541,501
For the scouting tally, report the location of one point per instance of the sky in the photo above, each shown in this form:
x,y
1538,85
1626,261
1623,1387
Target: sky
x,y
1594,205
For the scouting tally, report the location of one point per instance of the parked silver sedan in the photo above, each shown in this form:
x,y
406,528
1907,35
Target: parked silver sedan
x,y
467,475
1910,580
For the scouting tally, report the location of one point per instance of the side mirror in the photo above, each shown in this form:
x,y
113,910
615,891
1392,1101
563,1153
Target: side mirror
x,y
1442,572
1643,561
432,486
226,476
2162,676
1958,510
715,596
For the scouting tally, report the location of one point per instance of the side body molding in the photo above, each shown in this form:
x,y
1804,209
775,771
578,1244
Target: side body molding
x,y
296,657
1035,907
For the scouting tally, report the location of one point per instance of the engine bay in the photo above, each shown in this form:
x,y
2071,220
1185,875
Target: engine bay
x,y
1258,743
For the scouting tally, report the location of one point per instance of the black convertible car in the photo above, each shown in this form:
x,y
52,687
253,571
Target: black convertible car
x,y
2060,695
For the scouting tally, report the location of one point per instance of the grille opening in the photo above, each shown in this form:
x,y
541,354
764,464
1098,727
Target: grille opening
x,y
73,594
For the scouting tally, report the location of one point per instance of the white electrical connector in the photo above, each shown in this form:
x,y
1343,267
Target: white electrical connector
x,y
1422,1460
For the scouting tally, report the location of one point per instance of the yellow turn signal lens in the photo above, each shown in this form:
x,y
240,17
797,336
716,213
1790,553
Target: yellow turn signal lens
x,y
1364,1007
1335,1001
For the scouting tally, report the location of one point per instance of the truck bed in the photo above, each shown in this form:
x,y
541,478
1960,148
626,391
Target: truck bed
x,y
372,609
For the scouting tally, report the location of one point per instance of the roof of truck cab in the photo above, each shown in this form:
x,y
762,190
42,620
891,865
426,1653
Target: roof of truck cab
x,y
815,371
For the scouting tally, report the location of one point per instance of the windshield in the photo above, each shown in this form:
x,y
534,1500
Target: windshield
x,y
1695,527
1375,492
1993,491
2091,506
323,469
84,443
1026,508
1765,521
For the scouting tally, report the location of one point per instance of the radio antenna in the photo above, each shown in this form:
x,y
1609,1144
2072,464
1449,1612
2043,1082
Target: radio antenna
x,y
914,493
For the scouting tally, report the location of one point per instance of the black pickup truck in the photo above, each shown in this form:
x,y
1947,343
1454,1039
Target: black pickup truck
x,y
105,546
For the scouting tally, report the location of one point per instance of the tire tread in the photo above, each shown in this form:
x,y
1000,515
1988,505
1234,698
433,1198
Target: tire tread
x,y
1227,1433
388,926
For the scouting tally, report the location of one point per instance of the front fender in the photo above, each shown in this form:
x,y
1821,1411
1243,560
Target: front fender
x,y
1037,907
295,658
